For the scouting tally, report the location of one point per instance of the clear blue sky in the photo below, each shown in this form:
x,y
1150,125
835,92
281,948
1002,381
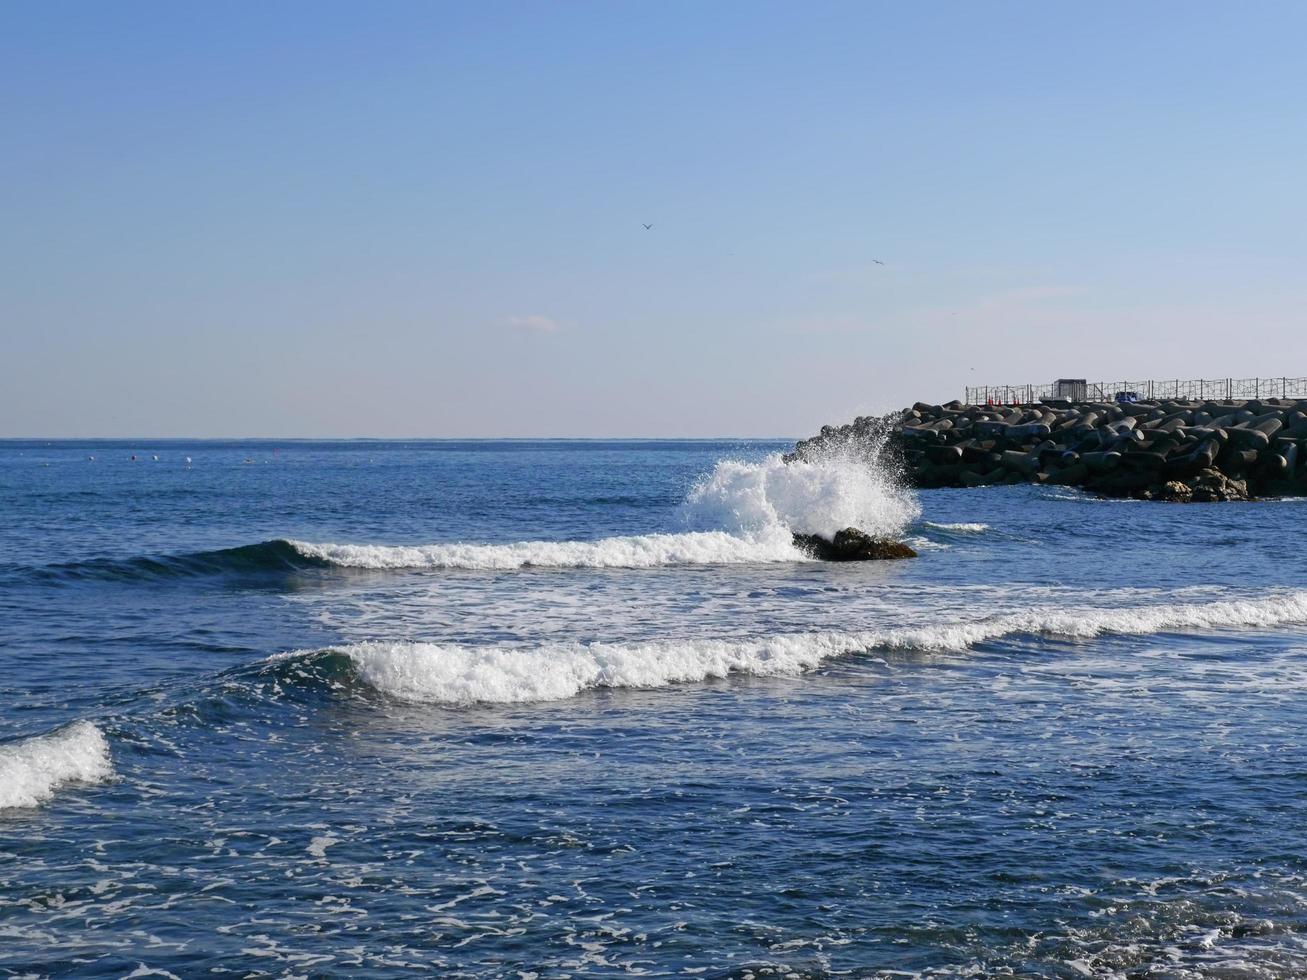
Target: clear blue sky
x,y
404,219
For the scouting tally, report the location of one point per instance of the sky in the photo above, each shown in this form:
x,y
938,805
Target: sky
x,y
408,219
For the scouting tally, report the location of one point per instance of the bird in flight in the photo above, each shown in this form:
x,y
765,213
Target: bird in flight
x,y
647,227
878,261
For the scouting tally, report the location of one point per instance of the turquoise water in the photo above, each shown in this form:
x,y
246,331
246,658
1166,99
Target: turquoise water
x,y
576,708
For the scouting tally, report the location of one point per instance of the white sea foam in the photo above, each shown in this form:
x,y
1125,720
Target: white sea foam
x,y
455,674
638,551
740,512
963,528
918,543
33,769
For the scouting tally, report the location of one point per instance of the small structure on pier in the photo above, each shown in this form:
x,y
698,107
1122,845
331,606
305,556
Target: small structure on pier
x,y
1072,389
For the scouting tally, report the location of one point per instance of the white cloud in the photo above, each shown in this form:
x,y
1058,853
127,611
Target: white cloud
x,y
533,322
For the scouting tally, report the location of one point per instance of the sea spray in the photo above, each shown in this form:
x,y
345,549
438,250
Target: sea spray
x,y
32,770
819,496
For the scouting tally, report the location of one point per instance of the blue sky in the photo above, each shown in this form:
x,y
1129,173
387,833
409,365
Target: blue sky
x,y
408,219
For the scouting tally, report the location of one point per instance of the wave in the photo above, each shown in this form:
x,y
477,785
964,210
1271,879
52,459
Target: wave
x,y
937,536
452,674
963,528
33,769
919,543
639,551
281,555
278,555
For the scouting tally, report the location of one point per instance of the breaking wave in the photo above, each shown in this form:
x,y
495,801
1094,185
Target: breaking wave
x,y
282,556
637,551
32,770
454,674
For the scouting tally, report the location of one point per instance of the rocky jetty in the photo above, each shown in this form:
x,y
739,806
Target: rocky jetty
x,y
852,545
1150,450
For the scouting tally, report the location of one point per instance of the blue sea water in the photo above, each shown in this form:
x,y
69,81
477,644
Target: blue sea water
x,y
578,709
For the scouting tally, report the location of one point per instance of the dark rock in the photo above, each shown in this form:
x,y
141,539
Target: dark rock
x,y
852,545
1213,485
1070,476
1174,491
972,478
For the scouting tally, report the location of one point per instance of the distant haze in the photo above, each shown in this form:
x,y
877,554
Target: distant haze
x,y
409,219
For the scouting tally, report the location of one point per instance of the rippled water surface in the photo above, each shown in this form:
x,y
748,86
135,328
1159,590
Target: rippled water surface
x,y
515,708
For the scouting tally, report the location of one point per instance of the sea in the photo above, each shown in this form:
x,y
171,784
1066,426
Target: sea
x,y
535,709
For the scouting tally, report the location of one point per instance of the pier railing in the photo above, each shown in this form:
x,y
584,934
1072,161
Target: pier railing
x,y
1202,389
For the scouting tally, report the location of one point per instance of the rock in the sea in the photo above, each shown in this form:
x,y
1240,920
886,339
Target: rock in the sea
x,y
1213,485
852,545
1175,491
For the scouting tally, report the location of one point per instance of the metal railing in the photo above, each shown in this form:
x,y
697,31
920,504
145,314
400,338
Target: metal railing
x,y
1203,389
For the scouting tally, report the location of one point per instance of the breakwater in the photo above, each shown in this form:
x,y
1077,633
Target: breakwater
x,y
1152,450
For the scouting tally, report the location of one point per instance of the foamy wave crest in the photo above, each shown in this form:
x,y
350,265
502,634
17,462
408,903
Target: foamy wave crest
x,y
450,674
639,551
963,528
33,769
459,675
805,496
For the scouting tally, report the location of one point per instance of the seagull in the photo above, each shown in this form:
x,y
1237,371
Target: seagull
x,y
878,261
647,227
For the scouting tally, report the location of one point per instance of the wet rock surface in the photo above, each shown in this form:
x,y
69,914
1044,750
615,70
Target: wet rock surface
x,y
851,544
1189,452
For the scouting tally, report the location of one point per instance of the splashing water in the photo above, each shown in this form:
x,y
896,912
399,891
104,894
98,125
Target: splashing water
x,y
33,769
848,486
